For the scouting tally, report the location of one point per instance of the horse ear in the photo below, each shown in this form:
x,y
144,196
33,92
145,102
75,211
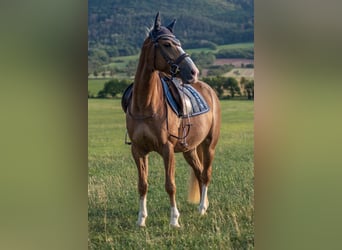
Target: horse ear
x,y
171,25
157,22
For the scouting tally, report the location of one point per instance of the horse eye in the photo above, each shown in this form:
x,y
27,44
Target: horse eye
x,y
167,45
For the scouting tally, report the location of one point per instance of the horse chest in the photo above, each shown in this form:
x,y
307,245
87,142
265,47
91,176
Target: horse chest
x,y
146,135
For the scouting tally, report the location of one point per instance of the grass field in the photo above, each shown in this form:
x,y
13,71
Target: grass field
x,y
95,85
113,197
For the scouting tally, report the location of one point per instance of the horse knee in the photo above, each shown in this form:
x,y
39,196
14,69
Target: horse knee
x,y
170,188
142,187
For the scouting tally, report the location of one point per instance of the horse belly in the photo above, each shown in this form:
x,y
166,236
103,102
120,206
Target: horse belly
x,y
199,131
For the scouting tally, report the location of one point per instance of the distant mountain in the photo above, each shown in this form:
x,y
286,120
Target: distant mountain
x,y
118,27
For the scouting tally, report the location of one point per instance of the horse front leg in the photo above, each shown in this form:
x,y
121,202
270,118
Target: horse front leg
x,y
141,161
170,186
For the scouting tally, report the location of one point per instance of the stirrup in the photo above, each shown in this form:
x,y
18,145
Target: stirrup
x,y
126,141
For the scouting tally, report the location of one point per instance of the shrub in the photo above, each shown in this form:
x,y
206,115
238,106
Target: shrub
x,y
113,88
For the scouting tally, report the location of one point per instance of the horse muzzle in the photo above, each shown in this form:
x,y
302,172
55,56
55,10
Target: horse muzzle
x,y
188,71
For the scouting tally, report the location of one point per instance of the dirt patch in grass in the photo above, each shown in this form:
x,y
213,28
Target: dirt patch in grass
x,y
240,72
236,62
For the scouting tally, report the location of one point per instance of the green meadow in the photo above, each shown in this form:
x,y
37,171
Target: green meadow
x,y
95,85
113,196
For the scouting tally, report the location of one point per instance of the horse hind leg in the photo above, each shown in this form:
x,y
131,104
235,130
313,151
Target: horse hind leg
x,y
141,161
207,150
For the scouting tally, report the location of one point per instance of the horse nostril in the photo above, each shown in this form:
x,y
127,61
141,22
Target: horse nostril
x,y
193,72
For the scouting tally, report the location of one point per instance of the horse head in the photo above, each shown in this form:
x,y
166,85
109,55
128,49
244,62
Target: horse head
x,y
169,57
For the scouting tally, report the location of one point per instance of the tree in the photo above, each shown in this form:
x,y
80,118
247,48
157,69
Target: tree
x,y
249,87
232,85
100,55
217,84
112,71
113,88
131,67
203,59
243,81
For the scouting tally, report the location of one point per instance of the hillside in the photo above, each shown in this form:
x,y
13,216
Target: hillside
x,y
118,27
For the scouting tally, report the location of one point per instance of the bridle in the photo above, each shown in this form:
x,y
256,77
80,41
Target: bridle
x,y
174,69
174,64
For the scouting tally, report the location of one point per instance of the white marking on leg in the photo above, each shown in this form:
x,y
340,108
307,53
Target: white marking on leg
x,y
204,200
174,217
142,212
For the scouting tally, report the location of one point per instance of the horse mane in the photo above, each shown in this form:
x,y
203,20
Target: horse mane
x,y
148,30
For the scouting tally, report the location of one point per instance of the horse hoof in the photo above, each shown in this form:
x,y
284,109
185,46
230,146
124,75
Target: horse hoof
x,y
202,211
175,225
141,223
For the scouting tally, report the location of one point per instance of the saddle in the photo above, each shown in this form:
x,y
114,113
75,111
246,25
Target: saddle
x,y
183,99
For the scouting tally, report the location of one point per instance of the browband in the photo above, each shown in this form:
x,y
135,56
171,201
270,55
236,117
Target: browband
x,y
163,34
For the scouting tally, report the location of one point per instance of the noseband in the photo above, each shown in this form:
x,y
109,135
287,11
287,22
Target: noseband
x,y
174,64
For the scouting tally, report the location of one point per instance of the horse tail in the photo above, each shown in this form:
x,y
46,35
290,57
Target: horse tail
x,y
193,188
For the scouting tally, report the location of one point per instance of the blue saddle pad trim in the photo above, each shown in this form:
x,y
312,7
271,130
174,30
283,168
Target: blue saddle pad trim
x,y
198,104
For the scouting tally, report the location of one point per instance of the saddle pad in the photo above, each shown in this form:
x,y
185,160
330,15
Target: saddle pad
x,y
190,101
126,97
187,101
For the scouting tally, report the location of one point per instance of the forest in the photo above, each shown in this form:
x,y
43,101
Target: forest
x,y
118,27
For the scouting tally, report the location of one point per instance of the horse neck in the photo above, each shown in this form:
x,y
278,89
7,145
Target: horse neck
x,y
147,92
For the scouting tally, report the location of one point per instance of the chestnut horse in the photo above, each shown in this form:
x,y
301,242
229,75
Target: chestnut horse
x,y
152,126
